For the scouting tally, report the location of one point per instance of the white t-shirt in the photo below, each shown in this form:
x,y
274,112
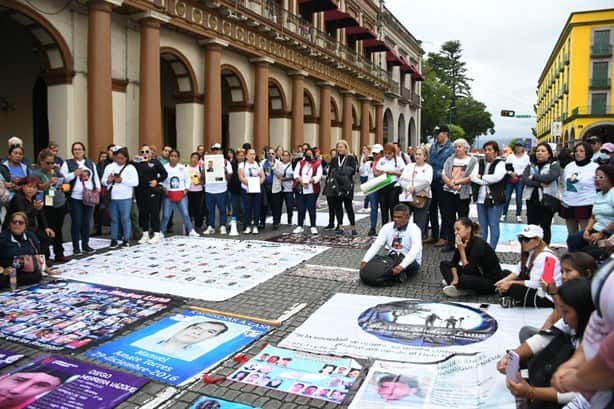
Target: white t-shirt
x,y
303,171
363,170
177,179
77,190
250,170
518,163
536,273
395,164
579,187
219,187
407,242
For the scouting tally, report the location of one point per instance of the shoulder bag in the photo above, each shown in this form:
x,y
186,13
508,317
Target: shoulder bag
x,y
418,200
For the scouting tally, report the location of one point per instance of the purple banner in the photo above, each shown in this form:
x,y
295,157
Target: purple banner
x,y
8,357
57,382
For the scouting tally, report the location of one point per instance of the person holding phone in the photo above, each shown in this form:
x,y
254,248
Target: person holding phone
x,y
537,263
17,168
547,350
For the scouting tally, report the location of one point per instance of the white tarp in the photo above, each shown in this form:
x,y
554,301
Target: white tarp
x,y
96,243
321,219
396,329
203,268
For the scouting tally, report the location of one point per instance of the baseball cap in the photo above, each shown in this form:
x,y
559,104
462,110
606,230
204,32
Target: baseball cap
x,y
216,146
594,138
608,147
116,148
377,148
532,231
519,143
441,128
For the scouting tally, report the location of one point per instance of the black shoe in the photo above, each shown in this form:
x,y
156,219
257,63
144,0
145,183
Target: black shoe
x,y
339,231
448,250
60,259
276,227
88,250
372,232
125,244
329,227
113,244
354,233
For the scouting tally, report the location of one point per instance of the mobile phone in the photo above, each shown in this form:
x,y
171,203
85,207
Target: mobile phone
x,y
40,195
484,306
513,366
548,274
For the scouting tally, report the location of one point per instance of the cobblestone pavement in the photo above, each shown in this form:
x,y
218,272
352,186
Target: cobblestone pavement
x,y
269,300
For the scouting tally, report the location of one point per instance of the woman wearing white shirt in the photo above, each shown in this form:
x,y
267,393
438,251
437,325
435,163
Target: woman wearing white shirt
x,y
121,178
416,181
80,172
176,187
307,172
363,170
251,176
515,165
579,192
392,165
369,167
283,180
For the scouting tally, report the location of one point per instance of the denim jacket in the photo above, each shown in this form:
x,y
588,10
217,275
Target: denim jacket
x,y
438,156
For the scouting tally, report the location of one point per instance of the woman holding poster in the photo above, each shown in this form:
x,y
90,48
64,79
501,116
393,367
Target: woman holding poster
x,y
251,176
307,175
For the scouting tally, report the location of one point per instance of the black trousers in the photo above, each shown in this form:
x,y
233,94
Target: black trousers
x,y
435,208
331,211
468,278
55,220
388,198
452,209
149,203
196,208
337,206
541,216
528,297
266,204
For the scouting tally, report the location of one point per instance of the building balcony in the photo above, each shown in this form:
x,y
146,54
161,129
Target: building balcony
x,y
566,58
565,89
595,110
600,83
394,88
601,51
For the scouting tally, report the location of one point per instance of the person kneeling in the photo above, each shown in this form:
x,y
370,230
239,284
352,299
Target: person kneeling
x,y
474,267
403,240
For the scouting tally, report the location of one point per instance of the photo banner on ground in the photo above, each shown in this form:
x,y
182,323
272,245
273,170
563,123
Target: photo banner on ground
x,y
461,382
228,269
71,315
332,240
59,382
178,348
396,329
8,357
208,402
315,376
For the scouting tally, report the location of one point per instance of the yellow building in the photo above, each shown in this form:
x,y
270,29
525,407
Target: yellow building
x,y
575,88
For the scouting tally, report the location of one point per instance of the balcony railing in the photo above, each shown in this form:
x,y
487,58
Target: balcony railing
x,y
600,83
601,50
565,88
566,58
394,88
286,22
593,110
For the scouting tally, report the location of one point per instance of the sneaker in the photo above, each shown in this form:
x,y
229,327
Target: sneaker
x,y
223,230
210,230
329,227
113,245
339,231
519,219
125,244
157,237
354,233
89,250
255,230
444,282
453,292
502,218
144,238
314,230
78,252
193,233
372,232
298,230
247,230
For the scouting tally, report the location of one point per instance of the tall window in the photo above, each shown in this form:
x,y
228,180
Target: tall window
x,y
601,37
600,70
598,103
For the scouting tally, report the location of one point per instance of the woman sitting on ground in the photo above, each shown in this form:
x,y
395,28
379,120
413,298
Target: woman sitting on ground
x,y
474,267
576,306
537,262
17,241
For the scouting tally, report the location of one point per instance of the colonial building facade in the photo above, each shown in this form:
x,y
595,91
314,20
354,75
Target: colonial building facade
x,y
186,72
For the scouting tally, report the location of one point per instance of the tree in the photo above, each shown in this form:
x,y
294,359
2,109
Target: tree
x,y
456,132
436,101
472,116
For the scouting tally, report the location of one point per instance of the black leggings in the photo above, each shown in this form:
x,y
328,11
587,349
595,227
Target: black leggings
x,y
196,208
337,206
541,216
528,297
468,279
148,203
388,198
331,211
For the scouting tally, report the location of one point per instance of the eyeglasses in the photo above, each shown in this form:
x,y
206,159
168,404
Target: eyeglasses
x,y
605,151
50,163
525,239
19,222
145,152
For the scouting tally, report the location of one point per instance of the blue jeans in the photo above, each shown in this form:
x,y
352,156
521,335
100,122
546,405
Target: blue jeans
x,y
366,202
575,241
251,208
219,200
488,217
80,217
373,204
120,212
509,188
182,207
306,203
278,199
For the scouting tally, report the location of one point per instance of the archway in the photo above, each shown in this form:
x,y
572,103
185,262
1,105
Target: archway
x,y
279,131
39,59
604,130
234,103
388,126
401,137
411,133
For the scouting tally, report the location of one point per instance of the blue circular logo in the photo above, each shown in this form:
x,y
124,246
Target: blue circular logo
x,y
429,324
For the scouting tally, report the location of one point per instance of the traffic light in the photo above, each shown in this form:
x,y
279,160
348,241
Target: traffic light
x,y
508,113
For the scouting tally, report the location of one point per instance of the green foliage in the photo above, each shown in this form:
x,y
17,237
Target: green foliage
x,y
436,102
457,132
473,117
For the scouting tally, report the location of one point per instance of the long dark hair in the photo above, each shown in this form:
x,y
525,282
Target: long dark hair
x,y
548,148
475,228
577,294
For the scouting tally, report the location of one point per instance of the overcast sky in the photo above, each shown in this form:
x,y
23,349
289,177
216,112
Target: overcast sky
x,y
505,44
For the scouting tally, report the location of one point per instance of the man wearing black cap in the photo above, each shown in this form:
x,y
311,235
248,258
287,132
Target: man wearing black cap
x,y
441,150
595,143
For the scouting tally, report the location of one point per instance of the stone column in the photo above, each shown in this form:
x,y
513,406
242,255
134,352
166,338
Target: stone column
x,y
298,108
150,104
365,105
346,130
213,91
379,123
99,80
261,102
325,95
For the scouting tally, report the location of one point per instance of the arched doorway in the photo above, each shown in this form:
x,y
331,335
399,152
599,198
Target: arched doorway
x,y
411,133
37,57
388,126
279,131
604,130
310,119
402,139
234,104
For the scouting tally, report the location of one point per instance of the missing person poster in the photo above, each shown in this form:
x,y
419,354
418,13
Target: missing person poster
x,y
314,376
71,315
59,382
180,347
207,402
8,357
460,382
214,168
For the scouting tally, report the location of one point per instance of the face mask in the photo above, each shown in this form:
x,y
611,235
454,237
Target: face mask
x,y
603,156
308,158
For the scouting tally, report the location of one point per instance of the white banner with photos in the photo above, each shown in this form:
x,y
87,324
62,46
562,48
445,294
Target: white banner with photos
x,y
202,268
397,329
